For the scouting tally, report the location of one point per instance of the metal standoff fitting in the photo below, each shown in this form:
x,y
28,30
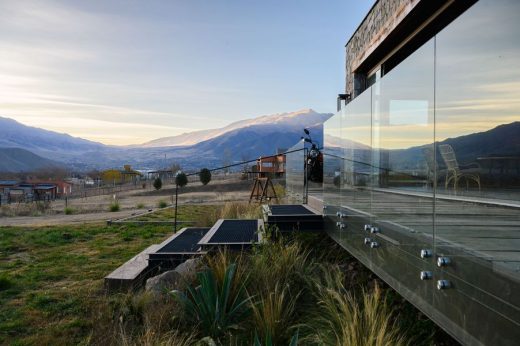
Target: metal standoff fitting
x,y
443,261
338,224
443,284
342,225
426,253
367,241
338,214
426,275
374,229
374,244
367,227
342,216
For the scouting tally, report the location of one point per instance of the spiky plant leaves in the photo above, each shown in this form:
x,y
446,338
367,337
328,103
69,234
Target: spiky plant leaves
x,y
213,306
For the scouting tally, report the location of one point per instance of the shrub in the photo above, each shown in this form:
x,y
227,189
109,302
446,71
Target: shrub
x,y
205,176
162,204
114,206
157,183
181,179
140,205
69,211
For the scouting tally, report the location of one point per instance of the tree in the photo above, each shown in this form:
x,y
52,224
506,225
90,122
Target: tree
x,y
181,179
205,176
157,183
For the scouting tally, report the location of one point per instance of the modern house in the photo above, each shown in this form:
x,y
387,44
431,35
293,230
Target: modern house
x,y
422,160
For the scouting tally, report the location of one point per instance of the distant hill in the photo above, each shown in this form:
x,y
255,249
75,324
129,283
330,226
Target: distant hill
x,y
503,140
42,142
14,160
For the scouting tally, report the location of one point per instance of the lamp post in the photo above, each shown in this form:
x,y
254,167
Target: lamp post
x,y
180,180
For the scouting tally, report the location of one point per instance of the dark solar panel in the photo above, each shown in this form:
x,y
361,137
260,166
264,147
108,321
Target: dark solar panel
x,y
186,241
236,231
295,209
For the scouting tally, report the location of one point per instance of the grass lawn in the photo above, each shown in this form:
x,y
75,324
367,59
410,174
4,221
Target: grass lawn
x,y
50,275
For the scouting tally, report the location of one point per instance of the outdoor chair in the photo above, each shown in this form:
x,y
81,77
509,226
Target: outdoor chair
x,y
453,172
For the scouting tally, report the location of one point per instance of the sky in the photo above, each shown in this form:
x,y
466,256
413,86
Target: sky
x,y
126,72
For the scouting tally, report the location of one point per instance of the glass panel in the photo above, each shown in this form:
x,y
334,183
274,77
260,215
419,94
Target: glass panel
x,y
478,156
402,171
355,192
295,173
332,163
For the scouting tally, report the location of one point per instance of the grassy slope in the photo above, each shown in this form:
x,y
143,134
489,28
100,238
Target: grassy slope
x,y
48,275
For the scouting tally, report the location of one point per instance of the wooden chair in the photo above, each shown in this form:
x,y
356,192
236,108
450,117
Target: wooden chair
x,y
453,172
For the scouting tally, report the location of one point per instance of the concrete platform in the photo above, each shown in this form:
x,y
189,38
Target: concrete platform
x,y
132,273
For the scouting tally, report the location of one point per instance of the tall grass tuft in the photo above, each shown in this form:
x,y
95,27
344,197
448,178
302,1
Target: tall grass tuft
x,y
279,264
274,314
114,206
345,319
240,210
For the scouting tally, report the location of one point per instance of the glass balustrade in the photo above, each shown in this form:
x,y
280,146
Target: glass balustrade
x,y
422,175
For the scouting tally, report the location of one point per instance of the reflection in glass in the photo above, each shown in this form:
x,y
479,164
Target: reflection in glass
x,y
478,156
295,173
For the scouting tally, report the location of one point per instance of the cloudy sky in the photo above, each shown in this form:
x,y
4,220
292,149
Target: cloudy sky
x,y
123,72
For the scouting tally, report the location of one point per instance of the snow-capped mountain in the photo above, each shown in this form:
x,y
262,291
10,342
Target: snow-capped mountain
x,y
280,122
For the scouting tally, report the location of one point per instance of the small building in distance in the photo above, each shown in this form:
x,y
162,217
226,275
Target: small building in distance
x,y
116,176
271,165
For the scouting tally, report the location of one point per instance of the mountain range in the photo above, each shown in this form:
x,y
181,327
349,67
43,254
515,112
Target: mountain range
x,y
246,139
28,148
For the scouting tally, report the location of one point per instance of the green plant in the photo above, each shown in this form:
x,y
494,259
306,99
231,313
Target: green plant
x,y
140,206
69,211
181,179
212,305
114,206
162,204
157,183
205,176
